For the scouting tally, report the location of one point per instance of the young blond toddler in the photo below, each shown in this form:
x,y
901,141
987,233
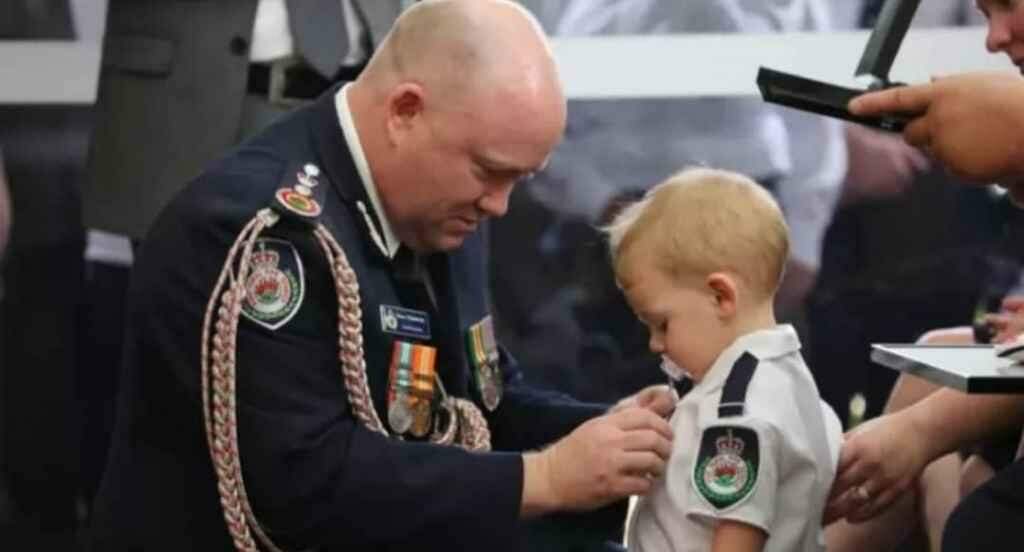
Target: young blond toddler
x,y
755,449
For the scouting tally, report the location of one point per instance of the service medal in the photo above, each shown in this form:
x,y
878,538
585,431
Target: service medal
x,y
399,416
422,417
399,386
482,349
422,392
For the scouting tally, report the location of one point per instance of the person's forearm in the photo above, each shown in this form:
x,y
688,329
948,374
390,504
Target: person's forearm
x,y
950,419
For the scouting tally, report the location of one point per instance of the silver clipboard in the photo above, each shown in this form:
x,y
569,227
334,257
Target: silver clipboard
x,y
969,368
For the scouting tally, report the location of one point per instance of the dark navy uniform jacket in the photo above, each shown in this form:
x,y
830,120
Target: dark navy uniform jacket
x,y
317,479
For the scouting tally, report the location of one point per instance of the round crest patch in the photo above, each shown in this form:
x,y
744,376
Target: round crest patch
x,y
274,288
726,468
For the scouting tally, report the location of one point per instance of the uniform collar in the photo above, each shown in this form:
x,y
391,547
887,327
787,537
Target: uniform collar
x,y
763,344
348,128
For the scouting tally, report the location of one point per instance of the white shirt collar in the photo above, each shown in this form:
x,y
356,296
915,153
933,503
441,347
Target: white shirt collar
x,y
348,128
763,344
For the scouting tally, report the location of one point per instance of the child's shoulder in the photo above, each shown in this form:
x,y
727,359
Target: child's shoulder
x,y
777,389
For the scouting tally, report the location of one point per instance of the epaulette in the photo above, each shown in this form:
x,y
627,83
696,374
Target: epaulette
x,y
734,393
300,196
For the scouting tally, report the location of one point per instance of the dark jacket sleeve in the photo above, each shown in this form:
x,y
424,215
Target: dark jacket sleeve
x,y
314,475
530,418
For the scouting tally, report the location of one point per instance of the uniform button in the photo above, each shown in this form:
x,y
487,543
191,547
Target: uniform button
x,y
239,46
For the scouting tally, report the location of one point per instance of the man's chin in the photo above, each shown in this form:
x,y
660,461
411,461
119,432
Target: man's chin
x,y
449,242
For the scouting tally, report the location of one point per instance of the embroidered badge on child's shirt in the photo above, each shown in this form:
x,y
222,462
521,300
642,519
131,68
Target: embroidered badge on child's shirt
x,y
726,469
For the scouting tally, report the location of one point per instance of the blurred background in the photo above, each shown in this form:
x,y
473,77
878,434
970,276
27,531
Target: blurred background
x,y
107,110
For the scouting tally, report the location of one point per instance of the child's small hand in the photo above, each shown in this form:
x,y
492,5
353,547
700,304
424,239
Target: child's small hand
x,y
660,399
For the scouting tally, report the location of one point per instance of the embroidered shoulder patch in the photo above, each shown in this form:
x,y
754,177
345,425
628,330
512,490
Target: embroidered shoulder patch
x,y
276,284
727,465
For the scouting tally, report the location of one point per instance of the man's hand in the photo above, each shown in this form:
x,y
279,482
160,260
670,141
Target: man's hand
x,y
604,460
973,122
660,399
879,460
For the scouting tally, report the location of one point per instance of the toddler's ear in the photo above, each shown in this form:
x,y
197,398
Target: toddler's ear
x,y
724,292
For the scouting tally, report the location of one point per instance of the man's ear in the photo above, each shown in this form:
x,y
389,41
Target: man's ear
x,y
405,110
724,293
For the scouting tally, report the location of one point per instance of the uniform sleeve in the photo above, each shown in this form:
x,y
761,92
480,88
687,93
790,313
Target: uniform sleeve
x,y
315,476
735,473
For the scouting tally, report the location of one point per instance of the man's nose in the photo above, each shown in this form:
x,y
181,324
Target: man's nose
x,y
494,202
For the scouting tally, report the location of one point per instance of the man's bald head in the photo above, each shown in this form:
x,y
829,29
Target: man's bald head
x,y
466,46
461,101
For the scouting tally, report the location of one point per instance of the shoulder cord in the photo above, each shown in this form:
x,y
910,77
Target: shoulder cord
x,y
465,425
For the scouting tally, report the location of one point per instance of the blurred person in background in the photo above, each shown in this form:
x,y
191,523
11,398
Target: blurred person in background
x,y
220,71
44,149
881,272
972,123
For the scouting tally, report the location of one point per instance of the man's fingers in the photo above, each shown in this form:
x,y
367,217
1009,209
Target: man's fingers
x,y
633,485
642,418
899,99
648,440
661,399
642,463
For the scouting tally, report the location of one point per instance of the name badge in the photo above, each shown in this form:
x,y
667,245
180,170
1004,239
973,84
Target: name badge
x,y
405,322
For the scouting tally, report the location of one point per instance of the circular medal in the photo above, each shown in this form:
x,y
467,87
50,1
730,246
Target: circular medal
x,y
422,417
489,381
399,416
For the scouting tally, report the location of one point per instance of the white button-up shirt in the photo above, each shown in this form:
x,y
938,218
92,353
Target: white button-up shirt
x,y
272,38
798,439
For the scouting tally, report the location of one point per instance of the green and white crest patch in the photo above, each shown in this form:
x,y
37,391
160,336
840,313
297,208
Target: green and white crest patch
x,y
276,283
726,468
